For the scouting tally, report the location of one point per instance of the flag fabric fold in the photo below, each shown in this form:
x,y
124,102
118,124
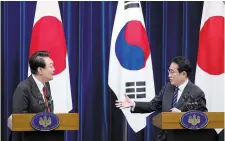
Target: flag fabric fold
x,y
48,34
130,64
210,61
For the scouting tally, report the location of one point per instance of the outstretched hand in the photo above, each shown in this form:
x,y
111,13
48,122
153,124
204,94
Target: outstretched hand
x,y
126,103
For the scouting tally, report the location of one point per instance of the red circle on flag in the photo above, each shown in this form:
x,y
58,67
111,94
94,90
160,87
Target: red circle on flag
x,y
211,46
48,35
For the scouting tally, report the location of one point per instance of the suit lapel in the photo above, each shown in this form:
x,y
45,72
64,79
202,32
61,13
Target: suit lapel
x,y
36,92
48,94
185,92
49,97
170,94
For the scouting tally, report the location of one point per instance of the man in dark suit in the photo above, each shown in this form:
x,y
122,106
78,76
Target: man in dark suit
x,y
33,94
179,95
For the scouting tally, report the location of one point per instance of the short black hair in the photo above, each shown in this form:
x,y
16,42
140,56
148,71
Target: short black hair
x,y
183,64
36,60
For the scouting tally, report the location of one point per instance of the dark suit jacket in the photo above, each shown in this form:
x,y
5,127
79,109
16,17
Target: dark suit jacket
x,y
27,98
163,102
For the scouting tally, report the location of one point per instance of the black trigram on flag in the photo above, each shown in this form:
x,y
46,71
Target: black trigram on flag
x,y
131,4
136,89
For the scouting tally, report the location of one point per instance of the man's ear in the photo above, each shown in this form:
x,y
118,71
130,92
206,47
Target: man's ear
x,y
184,73
39,69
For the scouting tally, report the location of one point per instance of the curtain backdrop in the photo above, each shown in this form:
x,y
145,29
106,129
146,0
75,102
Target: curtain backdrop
x,y
172,28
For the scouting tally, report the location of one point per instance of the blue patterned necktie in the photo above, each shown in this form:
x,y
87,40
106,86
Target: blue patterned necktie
x,y
175,97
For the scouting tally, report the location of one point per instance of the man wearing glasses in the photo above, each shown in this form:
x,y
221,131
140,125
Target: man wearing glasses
x,y
179,95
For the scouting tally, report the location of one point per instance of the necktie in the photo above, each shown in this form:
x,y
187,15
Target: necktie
x,y
46,101
175,97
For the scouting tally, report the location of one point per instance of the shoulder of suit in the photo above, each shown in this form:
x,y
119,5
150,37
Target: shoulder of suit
x,y
195,87
192,85
25,84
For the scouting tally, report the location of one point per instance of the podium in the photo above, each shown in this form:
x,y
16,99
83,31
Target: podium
x,y
21,124
170,121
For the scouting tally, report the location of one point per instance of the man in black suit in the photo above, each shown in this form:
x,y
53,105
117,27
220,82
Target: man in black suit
x,y
179,95
33,94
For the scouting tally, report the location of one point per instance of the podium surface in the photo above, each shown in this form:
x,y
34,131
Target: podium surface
x,y
171,120
21,125
171,123
22,122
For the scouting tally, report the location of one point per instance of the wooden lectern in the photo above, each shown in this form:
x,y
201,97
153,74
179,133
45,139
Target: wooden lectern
x,y
22,122
170,121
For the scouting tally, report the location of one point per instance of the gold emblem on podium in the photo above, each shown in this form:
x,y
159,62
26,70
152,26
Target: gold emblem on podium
x,y
194,120
45,122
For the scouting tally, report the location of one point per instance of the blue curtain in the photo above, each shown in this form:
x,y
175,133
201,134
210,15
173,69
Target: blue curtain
x,y
172,28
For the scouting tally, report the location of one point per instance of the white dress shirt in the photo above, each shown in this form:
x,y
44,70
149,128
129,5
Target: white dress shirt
x,y
181,88
39,85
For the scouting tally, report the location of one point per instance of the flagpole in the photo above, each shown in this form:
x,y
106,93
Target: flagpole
x,y
0,61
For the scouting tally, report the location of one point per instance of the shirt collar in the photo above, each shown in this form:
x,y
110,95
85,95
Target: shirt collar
x,y
39,84
182,86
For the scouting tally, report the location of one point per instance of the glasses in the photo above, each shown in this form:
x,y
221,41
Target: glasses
x,y
172,72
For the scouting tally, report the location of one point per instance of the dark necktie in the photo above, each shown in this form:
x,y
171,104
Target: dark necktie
x,y
175,97
46,101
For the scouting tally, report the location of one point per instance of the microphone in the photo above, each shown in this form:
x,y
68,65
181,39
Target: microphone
x,y
48,97
40,100
48,94
186,97
191,103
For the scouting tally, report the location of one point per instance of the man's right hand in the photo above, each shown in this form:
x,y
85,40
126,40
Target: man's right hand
x,y
126,103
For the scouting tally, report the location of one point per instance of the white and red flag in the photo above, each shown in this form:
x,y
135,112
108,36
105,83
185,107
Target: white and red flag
x,y
48,34
210,62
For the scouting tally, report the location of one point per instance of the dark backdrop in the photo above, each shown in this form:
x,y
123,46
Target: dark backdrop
x,y
172,28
